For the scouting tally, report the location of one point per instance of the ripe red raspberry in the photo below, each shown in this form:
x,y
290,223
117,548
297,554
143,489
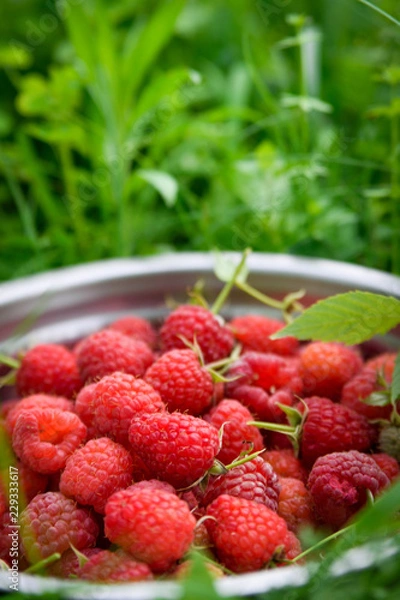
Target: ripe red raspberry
x,y
44,438
261,381
253,331
359,388
68,565
247,535
181,381
196,324
107,351
295,504
388,464
253,480
95,471
51,523
332,427
109,567
36,401
339,482
177,448
286,464
48,369
118,398
84,408
136,328
237,435
383,363
154,526
326,366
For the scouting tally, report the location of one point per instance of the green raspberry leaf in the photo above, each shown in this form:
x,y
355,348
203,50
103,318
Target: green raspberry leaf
x,y
351,318
377,399
395,387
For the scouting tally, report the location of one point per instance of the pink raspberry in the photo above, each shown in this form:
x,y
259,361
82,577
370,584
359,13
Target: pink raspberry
x,y
247,535
253,480
68,565
107,351
95,471
196,324
177,448
325,367
136,328
44,438
51,523
359,388
388,464
153,525
181,381
118,398
237,435
253,332
285,463
84,408
295,504
36,401
48,369
339,483
110,567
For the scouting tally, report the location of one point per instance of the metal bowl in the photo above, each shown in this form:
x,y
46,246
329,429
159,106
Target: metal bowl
x,y
66,304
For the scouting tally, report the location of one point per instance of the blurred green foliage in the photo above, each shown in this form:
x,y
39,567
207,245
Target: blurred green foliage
x,y
138,127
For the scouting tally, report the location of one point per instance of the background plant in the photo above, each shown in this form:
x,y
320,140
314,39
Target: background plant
x,y
136,127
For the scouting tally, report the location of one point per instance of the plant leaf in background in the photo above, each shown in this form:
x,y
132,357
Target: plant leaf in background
x,y
164,183
350,318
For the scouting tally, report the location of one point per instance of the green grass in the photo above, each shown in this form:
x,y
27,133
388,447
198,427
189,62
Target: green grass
x,y
137,127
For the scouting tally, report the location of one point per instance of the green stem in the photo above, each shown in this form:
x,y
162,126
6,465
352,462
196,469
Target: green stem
x,y
321,543
39,566
248,289
380,11
226,290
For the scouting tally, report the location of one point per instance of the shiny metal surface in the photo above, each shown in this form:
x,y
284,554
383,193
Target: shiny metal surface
x,y
65,304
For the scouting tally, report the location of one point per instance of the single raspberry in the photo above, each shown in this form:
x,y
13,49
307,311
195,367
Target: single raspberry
x,y
339,483
237,435
388,464
253,480
262,381
253,332
295,504
44,438
356,391
332,427
84,408
325,367
286,464
95,471
177,448
247,535
109,567
181,381
383,363
136,328
36,401
118,398
68,565
154,526
154,484
107,351
196,324
51,523
48,369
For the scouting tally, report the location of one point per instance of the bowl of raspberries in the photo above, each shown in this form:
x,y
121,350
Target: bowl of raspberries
x,y
189,411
